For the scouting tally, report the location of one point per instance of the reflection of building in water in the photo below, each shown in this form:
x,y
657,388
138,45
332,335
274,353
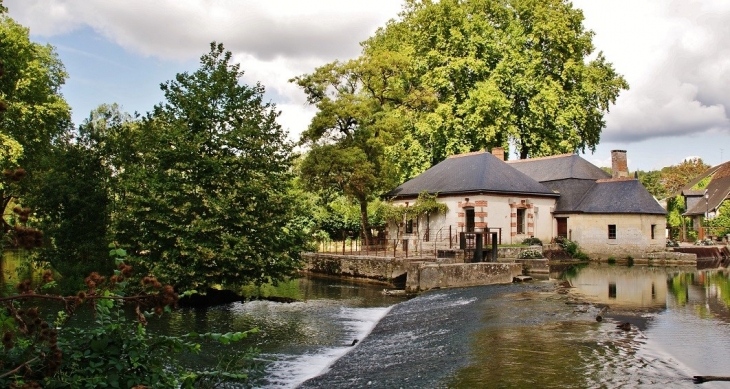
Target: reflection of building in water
x,y
630,287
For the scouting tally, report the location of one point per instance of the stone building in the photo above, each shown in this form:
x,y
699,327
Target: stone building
x,y
706,202
545,198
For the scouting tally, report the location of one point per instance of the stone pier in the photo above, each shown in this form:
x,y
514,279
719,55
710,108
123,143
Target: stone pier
x,y
429,275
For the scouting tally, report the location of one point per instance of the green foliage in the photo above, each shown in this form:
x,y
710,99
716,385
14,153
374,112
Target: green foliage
x,y
676,177
33,109
611,260
426,203
206,196
702,184
500,71
652,181
70,349
363,106
532,242
720,224
74,210
572,249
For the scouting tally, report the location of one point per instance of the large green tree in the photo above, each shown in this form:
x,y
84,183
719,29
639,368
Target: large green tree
x,y
205,199
32,115
364,106
76,194
519,71
34,111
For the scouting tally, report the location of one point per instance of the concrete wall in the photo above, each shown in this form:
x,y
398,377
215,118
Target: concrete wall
x,y
427,275
495,211
633,234
377,268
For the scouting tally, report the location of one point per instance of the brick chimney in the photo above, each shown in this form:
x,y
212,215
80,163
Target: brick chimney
x,y
619,166
498,152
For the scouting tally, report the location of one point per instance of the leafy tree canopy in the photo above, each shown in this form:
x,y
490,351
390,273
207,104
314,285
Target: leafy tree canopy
x,y
523,71
206,199
675,177
34,112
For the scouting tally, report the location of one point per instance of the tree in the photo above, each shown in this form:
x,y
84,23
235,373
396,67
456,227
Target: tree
x,y
34,112
675,177
206,199
364,106
652,181
521,71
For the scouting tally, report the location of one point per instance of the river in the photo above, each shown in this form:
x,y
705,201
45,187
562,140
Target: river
x,y
538,334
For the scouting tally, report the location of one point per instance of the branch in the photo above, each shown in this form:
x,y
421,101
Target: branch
x,y
11,372
66,299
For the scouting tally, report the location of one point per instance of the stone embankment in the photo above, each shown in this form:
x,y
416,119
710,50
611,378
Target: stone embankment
x,y
418,274
428,275
383,269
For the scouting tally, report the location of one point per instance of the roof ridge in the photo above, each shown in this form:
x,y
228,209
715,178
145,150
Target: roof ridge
x,y
541,158
467,154
612,179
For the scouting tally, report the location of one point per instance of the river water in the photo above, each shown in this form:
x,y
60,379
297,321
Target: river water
x,y
538,334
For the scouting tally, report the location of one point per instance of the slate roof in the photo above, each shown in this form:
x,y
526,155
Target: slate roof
x,y
585,188
619,196
559,167
718,189
478,172
571,192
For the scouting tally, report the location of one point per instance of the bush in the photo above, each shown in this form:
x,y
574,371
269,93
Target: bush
x,y
572,249
46,349
530,254
532,241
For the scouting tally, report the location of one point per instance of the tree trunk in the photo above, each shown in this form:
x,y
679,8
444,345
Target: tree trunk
x,y
524,152
364,223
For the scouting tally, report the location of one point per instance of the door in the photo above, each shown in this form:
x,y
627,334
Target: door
x,y
562,226
469,214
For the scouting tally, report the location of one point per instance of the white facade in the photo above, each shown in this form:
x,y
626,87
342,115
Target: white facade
x,y
515,218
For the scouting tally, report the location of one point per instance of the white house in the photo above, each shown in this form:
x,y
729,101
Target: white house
x,y
544,198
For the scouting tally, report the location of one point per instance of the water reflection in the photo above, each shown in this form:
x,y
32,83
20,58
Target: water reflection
x,y
623,287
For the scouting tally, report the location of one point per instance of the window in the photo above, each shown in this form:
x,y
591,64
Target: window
x,y
611,231
653,227
409,226
520,220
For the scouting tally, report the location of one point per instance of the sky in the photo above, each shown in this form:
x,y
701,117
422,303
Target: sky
x,y
673,53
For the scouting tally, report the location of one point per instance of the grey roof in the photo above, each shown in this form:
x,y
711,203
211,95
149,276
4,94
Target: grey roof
x,y
559,167
479,172
718,189
571,192
619,196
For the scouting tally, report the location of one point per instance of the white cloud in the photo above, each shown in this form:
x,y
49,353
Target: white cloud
x,y
176,29
674,55
274,41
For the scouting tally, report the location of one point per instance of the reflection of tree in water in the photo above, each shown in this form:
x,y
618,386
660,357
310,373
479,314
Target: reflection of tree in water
x,y
679,287
708,292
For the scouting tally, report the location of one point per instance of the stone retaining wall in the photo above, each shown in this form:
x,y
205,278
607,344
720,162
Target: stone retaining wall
x,y
428,275
378,268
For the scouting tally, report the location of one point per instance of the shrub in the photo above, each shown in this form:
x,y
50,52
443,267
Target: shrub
x,y
530,254
111,350
611,260
532,241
